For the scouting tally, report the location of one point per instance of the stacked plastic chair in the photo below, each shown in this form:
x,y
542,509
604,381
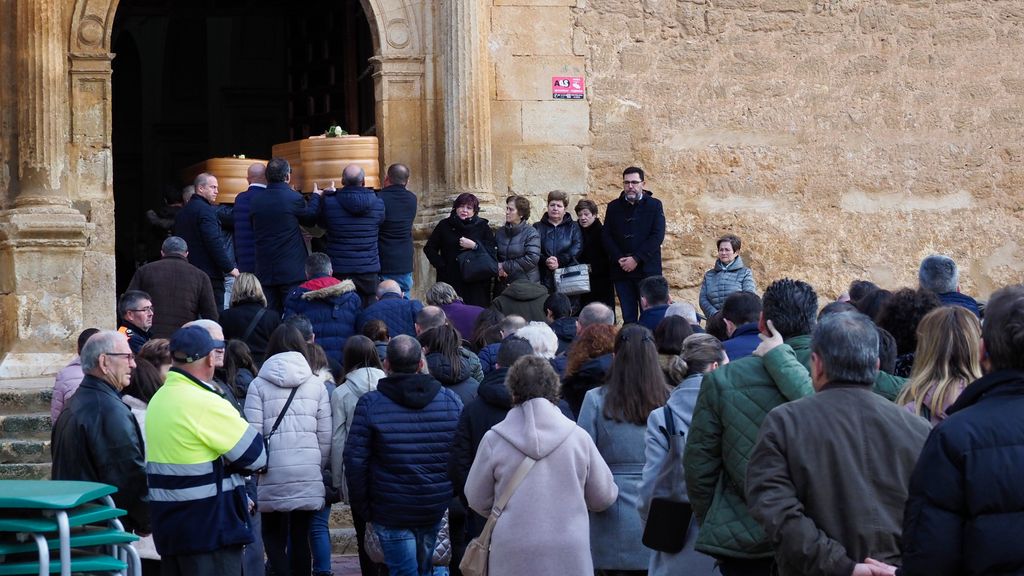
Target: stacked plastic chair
x,y
51,526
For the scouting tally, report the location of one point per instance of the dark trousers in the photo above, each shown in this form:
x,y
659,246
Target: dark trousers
x,y
628,290
745,567
222,562
218,292
366,566
281,529
366,285
276,293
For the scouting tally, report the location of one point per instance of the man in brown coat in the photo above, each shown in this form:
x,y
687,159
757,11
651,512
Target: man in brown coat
x,y
828,477
180,292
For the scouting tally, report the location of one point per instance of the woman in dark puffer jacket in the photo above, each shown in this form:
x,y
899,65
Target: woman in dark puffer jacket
x,y
594,254
518,245
560,238
247,300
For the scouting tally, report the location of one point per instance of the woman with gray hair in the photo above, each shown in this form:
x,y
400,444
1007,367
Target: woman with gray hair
x,y
463,316
568,478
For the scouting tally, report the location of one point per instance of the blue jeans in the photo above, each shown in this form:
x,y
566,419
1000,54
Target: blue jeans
x,y
320,540
404,280
408,551
628,290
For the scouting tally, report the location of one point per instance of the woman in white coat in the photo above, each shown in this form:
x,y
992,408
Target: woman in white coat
x,y
292,488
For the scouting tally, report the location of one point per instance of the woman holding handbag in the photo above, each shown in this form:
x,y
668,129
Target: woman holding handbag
x,y
615,416
663,476
463,234
560,238
543,506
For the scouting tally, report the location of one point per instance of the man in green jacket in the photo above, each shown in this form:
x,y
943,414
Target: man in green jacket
x,y
733,402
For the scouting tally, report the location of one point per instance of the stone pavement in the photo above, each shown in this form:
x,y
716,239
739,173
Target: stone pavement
x,y
345,565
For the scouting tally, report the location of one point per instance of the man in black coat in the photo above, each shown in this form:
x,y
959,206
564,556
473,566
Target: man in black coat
x,y
634,229
199,226
965,510
276,215
395,241
96,437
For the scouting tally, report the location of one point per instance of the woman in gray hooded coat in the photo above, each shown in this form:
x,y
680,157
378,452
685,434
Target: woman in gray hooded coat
x,y
729,275
292,488
701,353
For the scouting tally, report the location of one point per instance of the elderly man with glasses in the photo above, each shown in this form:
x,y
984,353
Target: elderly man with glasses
x,y
96,438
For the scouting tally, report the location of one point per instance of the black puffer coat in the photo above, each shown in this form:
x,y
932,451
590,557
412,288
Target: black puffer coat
x,y
590,375
564,241
518,252
442,249
462,383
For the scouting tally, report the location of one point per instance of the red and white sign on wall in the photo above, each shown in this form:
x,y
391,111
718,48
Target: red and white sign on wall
x,y
567,87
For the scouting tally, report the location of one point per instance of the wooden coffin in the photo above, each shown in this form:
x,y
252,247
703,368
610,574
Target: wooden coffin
x,y
322,160
230,173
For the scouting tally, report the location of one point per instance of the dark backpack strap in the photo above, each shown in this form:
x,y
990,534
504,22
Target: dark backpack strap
x,y
252,325
283,411
670,422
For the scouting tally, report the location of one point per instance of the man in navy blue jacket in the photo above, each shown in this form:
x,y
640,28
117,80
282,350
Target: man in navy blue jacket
x,y
396,458
395,240
197,224
634,229
965,509
742,311
276,215
396,312
245,247
352,217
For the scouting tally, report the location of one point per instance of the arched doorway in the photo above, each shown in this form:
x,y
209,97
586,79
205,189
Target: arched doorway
x,y
211,79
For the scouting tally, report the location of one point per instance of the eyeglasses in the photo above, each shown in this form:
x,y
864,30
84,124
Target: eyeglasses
x,y
129,355
146,309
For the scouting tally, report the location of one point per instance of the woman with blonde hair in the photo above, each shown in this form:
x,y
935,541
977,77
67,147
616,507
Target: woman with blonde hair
x,y
239,321
945,362
560,238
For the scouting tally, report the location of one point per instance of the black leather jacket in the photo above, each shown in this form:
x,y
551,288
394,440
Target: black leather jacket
x,y
96,439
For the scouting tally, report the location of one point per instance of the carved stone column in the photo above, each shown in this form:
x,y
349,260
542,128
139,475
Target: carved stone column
x,y
42,89
42,239
467,99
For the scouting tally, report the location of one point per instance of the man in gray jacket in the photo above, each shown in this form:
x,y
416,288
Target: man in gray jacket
x,y
835,519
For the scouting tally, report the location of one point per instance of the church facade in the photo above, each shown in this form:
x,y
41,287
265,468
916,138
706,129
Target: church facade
x,y
840,139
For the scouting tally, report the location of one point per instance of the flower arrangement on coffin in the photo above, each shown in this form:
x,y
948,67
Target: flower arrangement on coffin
x,y
335,131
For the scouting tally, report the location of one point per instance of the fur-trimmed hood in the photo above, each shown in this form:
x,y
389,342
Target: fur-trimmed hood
x,y
326,288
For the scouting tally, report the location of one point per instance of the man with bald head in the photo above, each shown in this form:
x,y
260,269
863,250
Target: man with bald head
x,y
398,313
395,240
245,247
96,438
352,217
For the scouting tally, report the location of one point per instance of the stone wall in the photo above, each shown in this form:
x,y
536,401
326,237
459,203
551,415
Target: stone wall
x,y
840,139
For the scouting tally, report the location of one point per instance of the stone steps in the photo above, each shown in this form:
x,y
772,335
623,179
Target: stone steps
x,y
25,429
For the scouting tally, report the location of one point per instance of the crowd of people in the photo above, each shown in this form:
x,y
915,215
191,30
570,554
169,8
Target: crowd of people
x,y
775,433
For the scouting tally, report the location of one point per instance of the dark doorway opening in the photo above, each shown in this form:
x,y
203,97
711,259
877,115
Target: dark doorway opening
x,y
199,79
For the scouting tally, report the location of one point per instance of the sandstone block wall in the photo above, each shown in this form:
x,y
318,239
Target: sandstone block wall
x,y
840,139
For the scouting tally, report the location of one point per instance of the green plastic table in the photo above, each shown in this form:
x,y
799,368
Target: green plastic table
x,y
58,497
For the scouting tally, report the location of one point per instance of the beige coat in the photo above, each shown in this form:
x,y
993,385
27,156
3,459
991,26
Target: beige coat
x,y
545,527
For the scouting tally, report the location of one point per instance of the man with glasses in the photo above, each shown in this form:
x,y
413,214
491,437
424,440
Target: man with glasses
x,y
634,229
96,438
136,312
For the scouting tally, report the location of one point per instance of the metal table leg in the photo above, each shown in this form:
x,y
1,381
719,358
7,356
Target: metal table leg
x,y
44,554
64,528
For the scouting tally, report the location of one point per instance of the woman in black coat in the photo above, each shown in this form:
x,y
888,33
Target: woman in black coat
x,y
560,238
463,230
247,300
593,253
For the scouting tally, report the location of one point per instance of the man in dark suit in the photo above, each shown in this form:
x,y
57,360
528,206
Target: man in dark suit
x,y
276,214
245,243
634,229
197,224
395,242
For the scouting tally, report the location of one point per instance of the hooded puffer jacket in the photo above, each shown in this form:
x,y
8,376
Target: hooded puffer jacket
x,y
523,298
721,281
352,217
462,383
343,407
298,451
332,307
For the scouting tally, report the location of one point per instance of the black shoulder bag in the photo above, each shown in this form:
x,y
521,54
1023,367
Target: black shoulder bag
x,y
273,429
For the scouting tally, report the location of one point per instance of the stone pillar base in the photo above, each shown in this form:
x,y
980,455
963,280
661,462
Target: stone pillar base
x,y
41,254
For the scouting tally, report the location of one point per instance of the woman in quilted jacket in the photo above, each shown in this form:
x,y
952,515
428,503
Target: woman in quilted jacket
x,y
292,488
729,275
